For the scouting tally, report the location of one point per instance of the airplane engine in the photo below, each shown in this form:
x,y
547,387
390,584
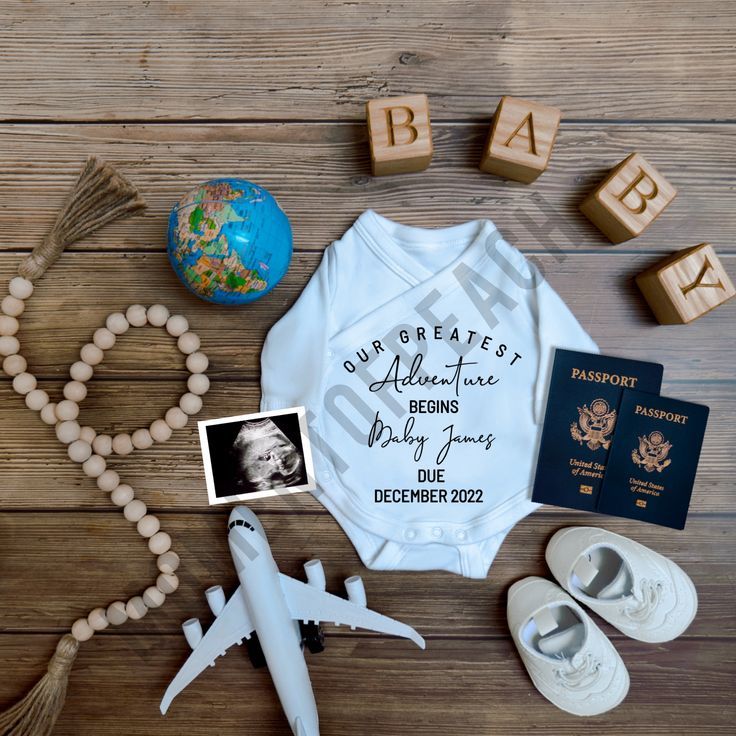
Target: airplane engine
x,y
192,631
356,590
315,574
216,599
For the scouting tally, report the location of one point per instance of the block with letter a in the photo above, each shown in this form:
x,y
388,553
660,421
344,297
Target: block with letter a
x,y
520,141
686,285
628,200
400,134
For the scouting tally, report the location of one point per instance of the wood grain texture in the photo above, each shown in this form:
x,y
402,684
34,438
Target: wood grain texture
x,y
82,289
322,60
37,473
373,687
320,174
175,93
44,592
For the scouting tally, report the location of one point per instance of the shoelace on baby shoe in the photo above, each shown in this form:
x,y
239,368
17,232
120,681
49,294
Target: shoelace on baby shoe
x,y
579,676
646,600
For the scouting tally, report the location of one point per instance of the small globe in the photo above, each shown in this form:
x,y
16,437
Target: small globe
x,y
229,241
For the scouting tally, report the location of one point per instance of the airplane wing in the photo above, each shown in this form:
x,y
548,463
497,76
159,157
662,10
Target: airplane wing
x,y
230,627
307,603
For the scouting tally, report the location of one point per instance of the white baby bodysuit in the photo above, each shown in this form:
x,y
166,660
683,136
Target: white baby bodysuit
x,y
422,357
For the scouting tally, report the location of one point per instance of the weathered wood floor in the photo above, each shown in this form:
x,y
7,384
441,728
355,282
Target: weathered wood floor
x,y
176,93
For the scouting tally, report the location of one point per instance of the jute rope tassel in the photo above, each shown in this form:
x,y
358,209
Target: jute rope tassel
x,y
100,195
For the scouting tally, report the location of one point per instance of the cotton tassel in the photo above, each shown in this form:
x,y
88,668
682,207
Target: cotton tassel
x,y
100,195
36,714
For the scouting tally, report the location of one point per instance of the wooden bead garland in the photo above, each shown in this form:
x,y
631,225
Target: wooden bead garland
x,y
88,448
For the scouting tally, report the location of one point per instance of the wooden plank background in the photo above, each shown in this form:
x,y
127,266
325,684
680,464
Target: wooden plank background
x,y
175,93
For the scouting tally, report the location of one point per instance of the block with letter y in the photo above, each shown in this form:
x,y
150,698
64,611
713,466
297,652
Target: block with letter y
x,y
628,200
686,285
400,134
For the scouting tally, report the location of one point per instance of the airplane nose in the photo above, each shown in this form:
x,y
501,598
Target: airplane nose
x,y
244,515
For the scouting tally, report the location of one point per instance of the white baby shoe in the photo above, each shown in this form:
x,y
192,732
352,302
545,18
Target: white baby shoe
x,y
570,660
643,594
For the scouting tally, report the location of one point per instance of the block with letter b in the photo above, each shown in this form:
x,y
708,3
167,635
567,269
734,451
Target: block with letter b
x,y
686,285
628,200
400,134
520,140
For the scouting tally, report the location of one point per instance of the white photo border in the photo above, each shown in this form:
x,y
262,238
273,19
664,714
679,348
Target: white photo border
x,y
212,496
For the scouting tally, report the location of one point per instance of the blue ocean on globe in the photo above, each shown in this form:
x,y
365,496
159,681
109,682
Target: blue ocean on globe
x,y
229,241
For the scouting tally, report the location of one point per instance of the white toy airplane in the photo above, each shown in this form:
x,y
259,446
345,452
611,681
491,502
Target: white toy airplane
x,y
272,605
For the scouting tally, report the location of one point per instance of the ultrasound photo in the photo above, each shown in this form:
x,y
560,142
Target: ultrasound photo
x,y
256,455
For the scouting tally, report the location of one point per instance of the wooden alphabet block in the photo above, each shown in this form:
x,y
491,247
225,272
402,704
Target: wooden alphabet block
x,y
686,285
628,200
520,140
400,134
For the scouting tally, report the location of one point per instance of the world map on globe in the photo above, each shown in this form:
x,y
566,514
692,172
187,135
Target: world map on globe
x,y
229,241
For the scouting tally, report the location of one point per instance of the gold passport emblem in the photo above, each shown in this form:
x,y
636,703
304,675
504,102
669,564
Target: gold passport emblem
x,y
652,452
594,425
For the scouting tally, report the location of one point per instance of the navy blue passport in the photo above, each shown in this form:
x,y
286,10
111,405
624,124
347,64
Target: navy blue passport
x,y
582,408
653,459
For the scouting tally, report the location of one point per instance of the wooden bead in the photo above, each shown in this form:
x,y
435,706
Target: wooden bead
x,y
148,525
134,510
91,354
122,444
116,613
190,403
197,362
14,365
108,481
97,619
104,338
75,391
117,323
168,562
9,345
177,325
188,343
81,630
48,414
8,325
157,315
136,315
87,434
67,410
81,371
68,432
24,383
20,288
176,418
136,608
122,495
37,399
79,451
153,597
94,467
102,445
141,439
160,431
12,306
167,583
198,384
159,543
